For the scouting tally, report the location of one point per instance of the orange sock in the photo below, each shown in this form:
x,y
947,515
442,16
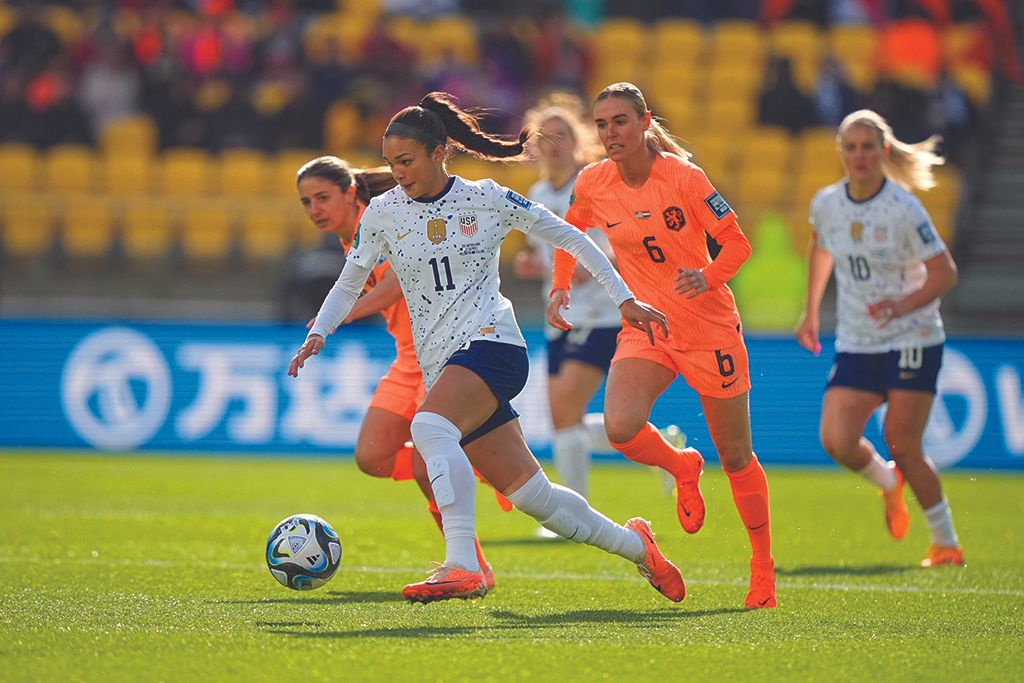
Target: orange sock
x,y
436,514
402,471
649,447
750,493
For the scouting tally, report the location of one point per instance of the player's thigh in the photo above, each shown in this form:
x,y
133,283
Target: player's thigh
x,y
503,458
905,420
381,435
462,397
844,415
633,386
570,391
728,422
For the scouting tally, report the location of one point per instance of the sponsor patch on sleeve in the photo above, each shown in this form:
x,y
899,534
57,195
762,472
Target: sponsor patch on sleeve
x,y
927,233
718,205
518,199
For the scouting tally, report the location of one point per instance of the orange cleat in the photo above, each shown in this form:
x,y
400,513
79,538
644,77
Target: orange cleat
x,y
939,555
897,517
689,500
445,582
655,567
488,577
762,585
504,503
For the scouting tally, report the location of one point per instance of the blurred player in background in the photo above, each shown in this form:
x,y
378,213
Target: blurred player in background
x,y
334,197
441,235
891,267
655,207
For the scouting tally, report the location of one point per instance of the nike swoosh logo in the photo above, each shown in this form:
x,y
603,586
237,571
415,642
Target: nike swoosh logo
x,y
403,235
685,511
445,582
611,225
755,528
764,602
726,385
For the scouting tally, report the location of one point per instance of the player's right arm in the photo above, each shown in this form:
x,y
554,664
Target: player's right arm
x,y
819,270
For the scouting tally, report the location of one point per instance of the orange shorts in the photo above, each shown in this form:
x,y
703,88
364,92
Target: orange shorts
x,y
718,373
400,391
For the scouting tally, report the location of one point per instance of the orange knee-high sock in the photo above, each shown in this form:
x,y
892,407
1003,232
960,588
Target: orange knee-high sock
x,y
750,493
649,447
436,514
402,470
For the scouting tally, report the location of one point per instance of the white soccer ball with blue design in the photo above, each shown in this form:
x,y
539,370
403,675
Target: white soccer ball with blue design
x,y
303,552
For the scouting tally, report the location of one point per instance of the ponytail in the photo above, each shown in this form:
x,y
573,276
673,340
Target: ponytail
x,y
657,137
908,164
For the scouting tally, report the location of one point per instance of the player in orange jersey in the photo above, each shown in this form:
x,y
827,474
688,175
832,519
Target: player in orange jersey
x,y
334,197
655,208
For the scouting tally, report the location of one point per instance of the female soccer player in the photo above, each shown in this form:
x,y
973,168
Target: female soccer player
x,y
441,235
334,197
655,206
891,267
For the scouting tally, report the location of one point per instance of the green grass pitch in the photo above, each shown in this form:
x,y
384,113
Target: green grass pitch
x,y
150,568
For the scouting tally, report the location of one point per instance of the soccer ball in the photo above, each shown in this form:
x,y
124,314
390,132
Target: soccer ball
x,y
303,552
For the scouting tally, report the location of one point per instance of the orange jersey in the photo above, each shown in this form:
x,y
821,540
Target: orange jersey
x,y
654,231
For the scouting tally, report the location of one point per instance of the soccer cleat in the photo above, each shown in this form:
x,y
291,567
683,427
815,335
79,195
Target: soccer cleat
x,y
897,517
504,503
689,499
447,581
939,555
488,577
762,585
655,567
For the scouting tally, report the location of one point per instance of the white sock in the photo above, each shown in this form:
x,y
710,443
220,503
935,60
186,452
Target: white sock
x,y
569,515
572,457
940,522
599,443
880,472
451,478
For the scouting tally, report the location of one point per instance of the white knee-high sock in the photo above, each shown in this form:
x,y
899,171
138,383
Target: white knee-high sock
x,y
569,515
599,443
880,472
940,523
451,478
572,457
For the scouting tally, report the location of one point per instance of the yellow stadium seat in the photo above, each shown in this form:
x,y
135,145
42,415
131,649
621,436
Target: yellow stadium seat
x,y
670,82
470,167
69,168
767,147
266,233
519,177
27,223
622,39
715,154
678,114
88,226
406,31
126,174
131,135
20,164
206,232
243,172
732,79
450,35
736,41
677,41
730,115
759,189
808,182
146,229
802,44
285,166
342,126
186,172
855,47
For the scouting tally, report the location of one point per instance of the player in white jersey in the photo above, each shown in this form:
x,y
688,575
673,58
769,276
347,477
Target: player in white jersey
x,y
891,268
441,234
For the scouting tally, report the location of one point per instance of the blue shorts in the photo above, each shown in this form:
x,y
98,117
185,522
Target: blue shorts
x,y
504,368
914,368
593,346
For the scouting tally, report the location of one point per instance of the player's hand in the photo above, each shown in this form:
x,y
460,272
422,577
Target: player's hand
x,y
640,315
807,333
884,312
310,347
558,300
691,281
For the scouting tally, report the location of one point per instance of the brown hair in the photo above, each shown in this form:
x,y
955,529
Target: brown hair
x,y
657,136
369,182
907,164
567,108
437,119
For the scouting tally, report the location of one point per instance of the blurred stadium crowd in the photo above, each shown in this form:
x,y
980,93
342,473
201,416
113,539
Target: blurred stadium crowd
x,y
171,130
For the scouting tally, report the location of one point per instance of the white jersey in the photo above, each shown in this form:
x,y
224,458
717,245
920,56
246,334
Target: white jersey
x,y
591,308
444,252
879,246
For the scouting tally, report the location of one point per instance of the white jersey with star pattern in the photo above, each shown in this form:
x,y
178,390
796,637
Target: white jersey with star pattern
x,y
445,254
879,246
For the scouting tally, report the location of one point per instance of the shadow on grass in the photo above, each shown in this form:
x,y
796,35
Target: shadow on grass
x,y
641,618
412,632
524,541
328,598
844,570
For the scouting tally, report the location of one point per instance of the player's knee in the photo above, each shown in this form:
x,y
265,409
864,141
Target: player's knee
x,y
734,458
837,447
374,462
622,428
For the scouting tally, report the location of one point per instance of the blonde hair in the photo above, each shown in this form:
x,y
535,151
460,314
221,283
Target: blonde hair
x,y
907,164
569,109
657,136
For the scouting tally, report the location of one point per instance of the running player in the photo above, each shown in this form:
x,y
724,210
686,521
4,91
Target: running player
x,y
656,206
441,234
334,197
891,267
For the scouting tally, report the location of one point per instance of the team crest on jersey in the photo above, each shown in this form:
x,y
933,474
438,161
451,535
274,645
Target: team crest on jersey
x,y
716,202
674,218
436,230
856,231
518,199
467,224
